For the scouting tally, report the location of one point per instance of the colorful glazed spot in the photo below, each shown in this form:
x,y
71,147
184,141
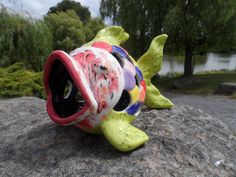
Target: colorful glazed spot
x,y
142,95
119,50
102,45
85,124
124,50
130,67
102,105
139,73
104,117
134,94
129,80
134,108
143,85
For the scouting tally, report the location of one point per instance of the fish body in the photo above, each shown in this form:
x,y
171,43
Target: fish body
x,y
99,87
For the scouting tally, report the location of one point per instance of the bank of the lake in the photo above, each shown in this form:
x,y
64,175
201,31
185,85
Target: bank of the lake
x,y
203,83
208,62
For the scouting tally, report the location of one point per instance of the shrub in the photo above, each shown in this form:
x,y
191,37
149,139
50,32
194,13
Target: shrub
x,y
16,81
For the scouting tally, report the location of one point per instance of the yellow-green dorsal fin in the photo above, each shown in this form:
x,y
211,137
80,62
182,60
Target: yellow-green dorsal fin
x,y
120,133
150,64
114,35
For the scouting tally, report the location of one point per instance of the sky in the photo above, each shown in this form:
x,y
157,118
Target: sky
x,y
38,8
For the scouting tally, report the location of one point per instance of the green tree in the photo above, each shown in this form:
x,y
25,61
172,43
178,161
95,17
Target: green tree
x,y
142,19
38,44
92,27
67,29
196,26
23,40
12,30
65,5
69,32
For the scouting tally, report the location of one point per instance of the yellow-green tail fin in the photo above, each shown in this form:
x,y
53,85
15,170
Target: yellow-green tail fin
x,y
150,64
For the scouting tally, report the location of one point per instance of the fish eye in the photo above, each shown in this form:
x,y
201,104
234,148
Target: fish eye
x,y
104,68
98,68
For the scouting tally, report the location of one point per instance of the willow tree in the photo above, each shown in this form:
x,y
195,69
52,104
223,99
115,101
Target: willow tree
x,y
142,19
23,40
195,25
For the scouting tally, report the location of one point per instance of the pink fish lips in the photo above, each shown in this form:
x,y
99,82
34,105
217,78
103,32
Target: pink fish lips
x,y
83,87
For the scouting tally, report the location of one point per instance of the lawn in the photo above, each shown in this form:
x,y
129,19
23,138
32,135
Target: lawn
x,y
203,83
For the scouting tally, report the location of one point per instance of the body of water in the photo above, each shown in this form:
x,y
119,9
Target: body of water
x,y
211,61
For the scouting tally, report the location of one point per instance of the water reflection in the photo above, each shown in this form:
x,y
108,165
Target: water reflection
x,y
211,61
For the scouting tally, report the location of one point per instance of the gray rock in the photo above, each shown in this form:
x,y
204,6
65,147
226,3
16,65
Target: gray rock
x,y
226,88
183,142
219,107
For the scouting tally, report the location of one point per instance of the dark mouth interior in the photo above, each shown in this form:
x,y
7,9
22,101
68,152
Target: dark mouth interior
x,y
66,97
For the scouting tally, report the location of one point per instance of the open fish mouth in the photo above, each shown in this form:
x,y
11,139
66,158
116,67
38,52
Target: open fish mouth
x,y
67,99
69,96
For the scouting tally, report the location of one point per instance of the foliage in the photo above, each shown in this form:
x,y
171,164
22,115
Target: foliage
x,y
69,32
65,5
193,26
142,19
198,25
92,27
38,40
23,40
16,81
30,41
27,43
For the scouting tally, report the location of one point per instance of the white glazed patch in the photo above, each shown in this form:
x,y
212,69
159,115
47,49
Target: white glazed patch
x,y
102,77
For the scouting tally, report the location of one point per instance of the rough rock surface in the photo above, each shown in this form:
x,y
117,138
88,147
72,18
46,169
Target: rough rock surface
x,y
183,142
219,107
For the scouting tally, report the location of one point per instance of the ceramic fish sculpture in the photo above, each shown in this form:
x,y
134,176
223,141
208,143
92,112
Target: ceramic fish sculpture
x,y
100,88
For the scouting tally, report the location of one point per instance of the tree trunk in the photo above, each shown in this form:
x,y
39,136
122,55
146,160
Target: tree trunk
x,y
188,62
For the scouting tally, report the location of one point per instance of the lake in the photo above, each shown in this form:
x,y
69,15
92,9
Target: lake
x,y
211,61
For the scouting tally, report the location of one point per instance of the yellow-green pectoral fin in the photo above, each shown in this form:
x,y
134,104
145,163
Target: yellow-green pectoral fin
x,y
121,134
114,35
150,64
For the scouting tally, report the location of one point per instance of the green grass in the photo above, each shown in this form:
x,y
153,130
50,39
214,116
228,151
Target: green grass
x,y
233,96
203,83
